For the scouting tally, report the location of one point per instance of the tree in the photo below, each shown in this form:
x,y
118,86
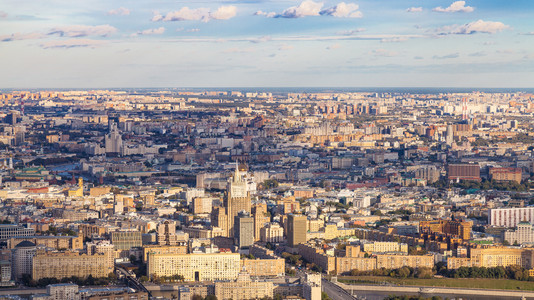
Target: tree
x,y
324,296
196,297
403,272
210,297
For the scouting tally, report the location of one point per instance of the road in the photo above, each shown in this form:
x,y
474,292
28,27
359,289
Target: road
x,y
335,292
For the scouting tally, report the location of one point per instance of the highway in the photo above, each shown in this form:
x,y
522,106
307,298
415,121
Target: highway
x,y
133,282
335,292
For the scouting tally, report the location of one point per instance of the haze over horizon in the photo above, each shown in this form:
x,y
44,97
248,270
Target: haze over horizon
x,y
89,44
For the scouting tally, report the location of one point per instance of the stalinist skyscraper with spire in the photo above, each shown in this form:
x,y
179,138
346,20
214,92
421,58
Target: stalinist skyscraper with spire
x,y
237,198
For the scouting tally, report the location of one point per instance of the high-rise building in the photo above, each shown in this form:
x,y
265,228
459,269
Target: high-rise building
x,y
510,217
237,198
463,172
272,233
296,229
195,267
167,233
244,230
113,140
524,234
259,211
22,260
125,240
68,264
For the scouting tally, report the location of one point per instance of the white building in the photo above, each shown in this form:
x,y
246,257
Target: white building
x,y
524,234
510,217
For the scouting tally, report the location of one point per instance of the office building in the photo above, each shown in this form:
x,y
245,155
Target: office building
x,y
296,229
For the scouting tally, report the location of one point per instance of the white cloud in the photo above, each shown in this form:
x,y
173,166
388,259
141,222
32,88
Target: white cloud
x,y
306,8
394,40
83,30
151,31
479,26
383,53
262,13
197,14
3,14
334,46
457,6
121,11
72,43
193,30
224,13
238,50
414,9
17,36
448,56
352,32
285,47
343,10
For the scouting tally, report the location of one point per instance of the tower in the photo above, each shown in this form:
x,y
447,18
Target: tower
x,y
244,230
237,199
113,140
296,229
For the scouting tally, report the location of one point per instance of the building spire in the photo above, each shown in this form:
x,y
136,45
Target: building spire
x,y
237,176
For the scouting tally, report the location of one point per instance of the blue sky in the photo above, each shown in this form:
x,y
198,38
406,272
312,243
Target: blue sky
x,y
368,43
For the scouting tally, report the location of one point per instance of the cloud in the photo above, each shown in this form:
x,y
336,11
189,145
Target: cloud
x,y
505,51
262,13
310,8
121,11
83,30
72,43
306,8
285,47
452,55
417,57
224,13
193,30
197,14
457,6
3,14
352,32
238,50
529,33
383,53
17,36
414,9
394,40
334,46
478,54
151,31
343,10
479,26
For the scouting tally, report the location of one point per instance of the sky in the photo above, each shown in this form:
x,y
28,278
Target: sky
x,y
262,43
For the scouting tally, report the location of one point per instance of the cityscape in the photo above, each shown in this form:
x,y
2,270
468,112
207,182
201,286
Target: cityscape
x,y
260,149
265,195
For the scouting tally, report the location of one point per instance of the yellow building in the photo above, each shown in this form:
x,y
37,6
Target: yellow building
x,y
156,249
244,288
56,242
384,247
79,191
399,261
264,267
66,264
494,257
195,267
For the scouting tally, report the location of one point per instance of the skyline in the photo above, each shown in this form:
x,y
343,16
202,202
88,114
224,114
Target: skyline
x,y
75,44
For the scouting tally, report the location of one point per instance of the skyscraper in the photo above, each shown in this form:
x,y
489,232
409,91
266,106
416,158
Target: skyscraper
x,y
244,230
296,230
113,139
237,199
